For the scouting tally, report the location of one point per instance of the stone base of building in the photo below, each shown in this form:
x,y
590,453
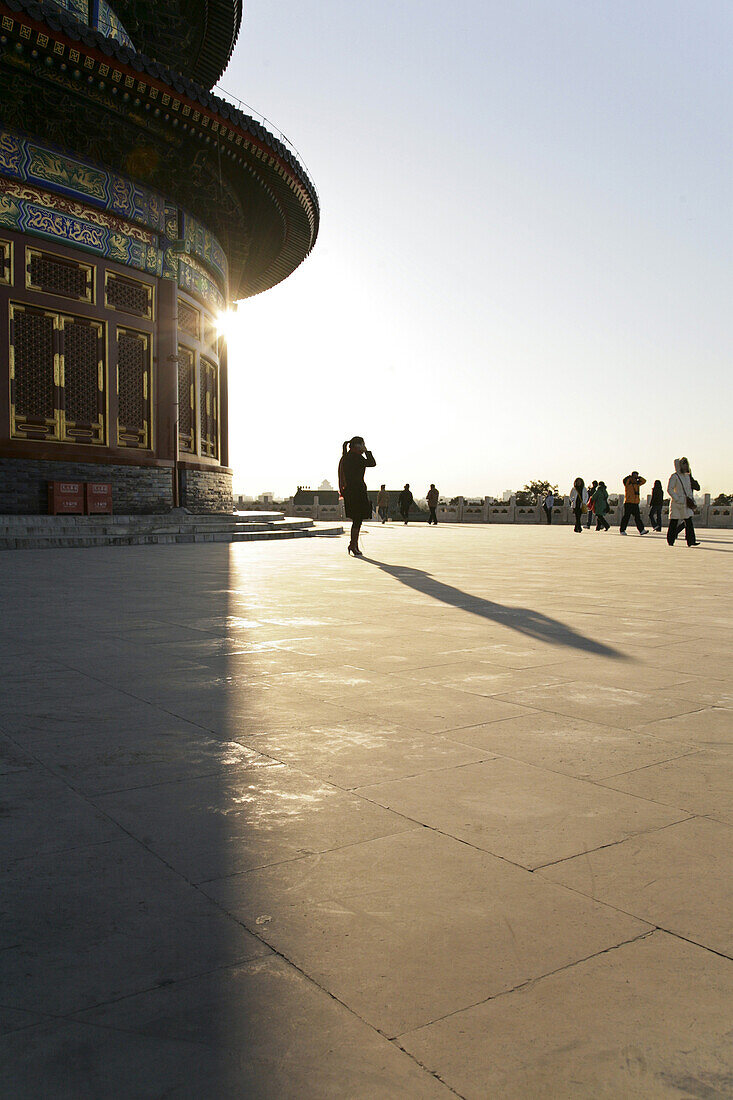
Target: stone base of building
x,y
206,490
136,490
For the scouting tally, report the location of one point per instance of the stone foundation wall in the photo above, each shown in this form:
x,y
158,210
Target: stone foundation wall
x,y
136,490
206,491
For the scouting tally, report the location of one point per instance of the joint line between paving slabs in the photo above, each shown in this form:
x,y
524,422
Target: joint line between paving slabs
x,y
533,981
391,1039
602,780
613,843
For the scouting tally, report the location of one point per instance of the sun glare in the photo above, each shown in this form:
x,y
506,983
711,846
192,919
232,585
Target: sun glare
x,y
226,322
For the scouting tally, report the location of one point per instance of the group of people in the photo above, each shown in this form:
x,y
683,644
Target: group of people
x,y
405,502
590,501
593,502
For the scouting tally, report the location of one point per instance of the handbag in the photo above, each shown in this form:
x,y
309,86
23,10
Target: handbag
x,y
689,501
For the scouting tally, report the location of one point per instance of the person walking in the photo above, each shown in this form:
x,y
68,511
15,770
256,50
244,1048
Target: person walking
x,y
655,506
382,503
632,484
355,459
578,501
548,504
591,505
406,502
432,498
682,502
601,506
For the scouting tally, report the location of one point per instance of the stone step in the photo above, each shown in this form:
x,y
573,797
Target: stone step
x,y
45,527
39,530
177,518
169,537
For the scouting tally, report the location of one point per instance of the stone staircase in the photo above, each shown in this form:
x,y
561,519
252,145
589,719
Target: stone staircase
x,y
179,526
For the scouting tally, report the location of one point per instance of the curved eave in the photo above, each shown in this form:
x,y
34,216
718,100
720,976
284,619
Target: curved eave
x,y
207,32
279,202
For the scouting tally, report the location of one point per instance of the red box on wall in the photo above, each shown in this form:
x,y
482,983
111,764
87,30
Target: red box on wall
x,y
98,497
65,497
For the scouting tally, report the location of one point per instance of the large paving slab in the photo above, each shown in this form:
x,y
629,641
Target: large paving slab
x,y
453,819
249,818
524,814
323,1049
644,1020
408,928
679,879
585,750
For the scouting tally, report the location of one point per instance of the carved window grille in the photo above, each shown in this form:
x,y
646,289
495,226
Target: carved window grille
x,y
82,377
133,389
6,263
129,296
35,408
189,319
186,401
211,334
57,376
51,274
209,406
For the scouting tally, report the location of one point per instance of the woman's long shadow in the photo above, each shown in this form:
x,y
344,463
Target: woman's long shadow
x,y
522,619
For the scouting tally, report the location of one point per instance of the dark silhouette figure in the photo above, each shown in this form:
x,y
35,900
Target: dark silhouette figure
x,y
382,503
355,459
632,484
591,496
578,501
548,504
432,498
406,502
601,506
522,619
655,506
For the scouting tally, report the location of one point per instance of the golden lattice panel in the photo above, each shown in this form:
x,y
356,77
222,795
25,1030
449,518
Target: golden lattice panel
x,y
186,401
48,273
133,388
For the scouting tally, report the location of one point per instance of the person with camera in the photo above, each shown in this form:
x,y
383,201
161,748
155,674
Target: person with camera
x,y
632,484
682,505
355,459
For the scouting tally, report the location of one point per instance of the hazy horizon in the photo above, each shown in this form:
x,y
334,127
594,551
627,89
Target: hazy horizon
x,y
524,263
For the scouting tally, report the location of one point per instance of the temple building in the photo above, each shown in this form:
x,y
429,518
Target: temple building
x,y
135,205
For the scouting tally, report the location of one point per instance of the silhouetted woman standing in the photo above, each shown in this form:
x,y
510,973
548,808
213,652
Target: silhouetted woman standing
x,y
354,461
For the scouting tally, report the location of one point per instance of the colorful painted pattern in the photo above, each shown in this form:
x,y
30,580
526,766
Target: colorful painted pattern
x,y
192,278
206,247
45,215
101,17
108,23
50,194
29,162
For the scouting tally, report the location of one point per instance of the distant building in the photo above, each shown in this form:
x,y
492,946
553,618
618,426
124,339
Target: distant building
x,y
306,496
325,487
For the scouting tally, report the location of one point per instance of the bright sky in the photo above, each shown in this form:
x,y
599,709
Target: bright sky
x,y
524,263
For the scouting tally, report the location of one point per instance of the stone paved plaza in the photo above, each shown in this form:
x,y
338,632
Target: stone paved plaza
x,y
454,819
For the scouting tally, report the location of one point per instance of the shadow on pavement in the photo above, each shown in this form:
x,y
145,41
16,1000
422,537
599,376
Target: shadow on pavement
x,y
522,619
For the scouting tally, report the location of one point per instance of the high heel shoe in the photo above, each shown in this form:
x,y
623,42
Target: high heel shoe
x,y
355,551
349,549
